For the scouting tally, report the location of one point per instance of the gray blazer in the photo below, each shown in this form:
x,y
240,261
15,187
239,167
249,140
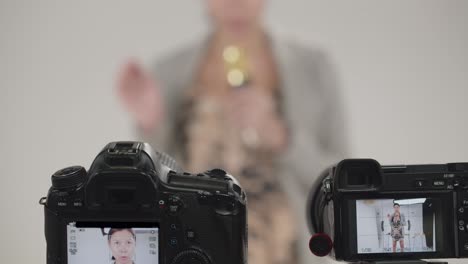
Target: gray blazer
x,y
312,109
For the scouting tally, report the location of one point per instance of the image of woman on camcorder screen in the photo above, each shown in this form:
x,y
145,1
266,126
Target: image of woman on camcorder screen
x,y
409,224
122,245
397,221
397,232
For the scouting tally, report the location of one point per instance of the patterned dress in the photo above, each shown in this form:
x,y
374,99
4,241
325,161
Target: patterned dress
x,y
397,230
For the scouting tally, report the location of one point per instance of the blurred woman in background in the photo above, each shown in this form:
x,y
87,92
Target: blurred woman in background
x,y
262,108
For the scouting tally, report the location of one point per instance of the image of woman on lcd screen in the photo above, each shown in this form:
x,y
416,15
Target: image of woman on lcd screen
x,y
122,244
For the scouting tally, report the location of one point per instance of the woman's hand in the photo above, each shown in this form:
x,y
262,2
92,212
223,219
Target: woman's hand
x,y
140,96
255,114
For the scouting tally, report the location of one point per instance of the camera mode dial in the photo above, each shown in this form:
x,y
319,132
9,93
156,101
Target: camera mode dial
x,y
68,177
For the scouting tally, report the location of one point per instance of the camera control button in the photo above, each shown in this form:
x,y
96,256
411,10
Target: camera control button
x,y
173,241
190,234
420,183
174,205
461,228
465,202
461,210
78,203
438,183
173,209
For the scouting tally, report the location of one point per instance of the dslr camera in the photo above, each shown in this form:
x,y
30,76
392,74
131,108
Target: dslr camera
x,y
362,211
135,205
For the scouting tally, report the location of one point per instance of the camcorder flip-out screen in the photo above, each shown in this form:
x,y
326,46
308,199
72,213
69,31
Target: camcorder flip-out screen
x,y
112,243
362,211
399,227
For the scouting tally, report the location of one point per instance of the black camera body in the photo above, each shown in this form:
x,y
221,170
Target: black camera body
x,y
174,216
375,213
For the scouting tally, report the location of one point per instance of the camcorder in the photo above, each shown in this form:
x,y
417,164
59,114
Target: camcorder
x,y
135,205
360,211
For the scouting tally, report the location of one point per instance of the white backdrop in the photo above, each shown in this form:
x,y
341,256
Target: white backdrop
x,y
403,67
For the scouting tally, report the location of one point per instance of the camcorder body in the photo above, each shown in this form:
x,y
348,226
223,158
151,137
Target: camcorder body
x,y
173,216
375,213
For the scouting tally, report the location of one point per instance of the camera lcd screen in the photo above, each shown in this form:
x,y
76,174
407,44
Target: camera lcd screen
x,y
112,245
396,226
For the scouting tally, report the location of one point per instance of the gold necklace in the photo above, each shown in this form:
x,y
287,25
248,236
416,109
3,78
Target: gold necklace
x,y
235,62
